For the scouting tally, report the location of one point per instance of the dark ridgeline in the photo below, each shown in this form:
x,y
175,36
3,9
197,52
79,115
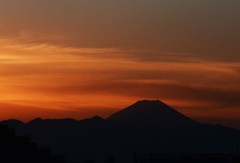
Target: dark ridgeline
x,y
146,127
16,149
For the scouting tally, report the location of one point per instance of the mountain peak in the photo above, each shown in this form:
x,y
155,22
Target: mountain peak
x,y
95,120
13,123
151,104
37,120
149,113
147,102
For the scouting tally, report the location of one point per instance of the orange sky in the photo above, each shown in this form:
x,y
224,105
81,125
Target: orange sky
x,y
61,61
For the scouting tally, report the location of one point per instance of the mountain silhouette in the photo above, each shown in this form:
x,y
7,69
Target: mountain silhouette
x,y
13,123
151,114
143,128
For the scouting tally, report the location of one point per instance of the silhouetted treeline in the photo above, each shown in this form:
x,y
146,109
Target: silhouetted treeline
x,y
20,149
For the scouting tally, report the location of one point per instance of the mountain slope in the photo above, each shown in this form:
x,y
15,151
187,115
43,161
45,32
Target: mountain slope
x,y
151,114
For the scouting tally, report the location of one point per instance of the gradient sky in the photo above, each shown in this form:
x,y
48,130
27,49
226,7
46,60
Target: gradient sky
x,y
68,58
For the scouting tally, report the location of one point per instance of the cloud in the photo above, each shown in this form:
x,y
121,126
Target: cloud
x,y
56,76
220,98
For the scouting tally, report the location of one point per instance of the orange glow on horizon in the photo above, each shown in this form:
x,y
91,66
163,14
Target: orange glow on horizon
x,y
53,81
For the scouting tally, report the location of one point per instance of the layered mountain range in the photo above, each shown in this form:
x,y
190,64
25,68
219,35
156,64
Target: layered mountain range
x,y
144,127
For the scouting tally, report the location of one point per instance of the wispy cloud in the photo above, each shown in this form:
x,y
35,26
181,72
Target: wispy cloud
x,y
56,76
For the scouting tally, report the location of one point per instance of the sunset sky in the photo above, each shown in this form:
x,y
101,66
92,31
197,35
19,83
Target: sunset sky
x,y
79,58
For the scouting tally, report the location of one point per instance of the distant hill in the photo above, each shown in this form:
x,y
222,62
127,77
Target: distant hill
x,y
144,127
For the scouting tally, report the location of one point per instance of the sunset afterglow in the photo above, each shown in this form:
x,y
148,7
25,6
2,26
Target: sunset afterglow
x,y
93,58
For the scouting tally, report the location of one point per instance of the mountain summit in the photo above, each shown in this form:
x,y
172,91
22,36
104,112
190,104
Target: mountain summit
x,y
147,113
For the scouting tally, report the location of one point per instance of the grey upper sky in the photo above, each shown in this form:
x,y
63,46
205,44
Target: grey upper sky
x,y
206,28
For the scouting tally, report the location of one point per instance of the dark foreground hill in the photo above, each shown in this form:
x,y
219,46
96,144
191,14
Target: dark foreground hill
x,y
143,128
16,149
